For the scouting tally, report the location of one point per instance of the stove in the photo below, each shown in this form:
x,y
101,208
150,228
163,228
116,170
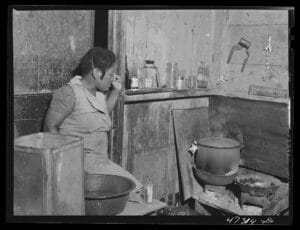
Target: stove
x,y
236,195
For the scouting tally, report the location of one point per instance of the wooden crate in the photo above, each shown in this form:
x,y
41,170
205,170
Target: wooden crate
x,y
48,175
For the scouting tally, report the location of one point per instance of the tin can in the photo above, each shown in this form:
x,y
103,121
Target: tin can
x,y
134,83
179,84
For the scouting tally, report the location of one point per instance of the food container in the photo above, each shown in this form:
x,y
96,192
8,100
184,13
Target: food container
x,y
258,185
106,194
150,72
48,175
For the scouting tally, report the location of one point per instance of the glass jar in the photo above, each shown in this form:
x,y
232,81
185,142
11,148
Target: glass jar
x,y
150,73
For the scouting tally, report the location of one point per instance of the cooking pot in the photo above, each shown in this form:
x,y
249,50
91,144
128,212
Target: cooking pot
x,y
106,194
217,155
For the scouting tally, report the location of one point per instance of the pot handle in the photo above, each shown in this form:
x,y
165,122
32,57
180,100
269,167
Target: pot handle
x,y
242,146
193,148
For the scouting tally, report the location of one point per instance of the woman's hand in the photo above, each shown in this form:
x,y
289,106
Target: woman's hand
x,y
112,98
116,83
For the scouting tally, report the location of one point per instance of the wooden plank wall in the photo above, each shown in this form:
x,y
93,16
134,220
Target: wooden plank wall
x,y
254,26
182,36
46,47
148,142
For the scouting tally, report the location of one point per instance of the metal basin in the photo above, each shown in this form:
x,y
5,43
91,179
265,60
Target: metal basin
x,y
258,185
106,194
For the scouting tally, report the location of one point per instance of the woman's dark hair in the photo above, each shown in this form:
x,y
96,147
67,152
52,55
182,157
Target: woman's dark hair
x,y
96,57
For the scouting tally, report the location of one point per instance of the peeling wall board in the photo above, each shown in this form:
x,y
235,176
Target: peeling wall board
x,y
258,36
258,17
276,77
262,126
42,41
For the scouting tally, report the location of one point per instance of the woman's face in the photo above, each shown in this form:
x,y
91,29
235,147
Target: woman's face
x,y
103,84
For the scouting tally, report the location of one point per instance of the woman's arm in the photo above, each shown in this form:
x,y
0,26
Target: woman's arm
x,y
112,98
62,104
53,120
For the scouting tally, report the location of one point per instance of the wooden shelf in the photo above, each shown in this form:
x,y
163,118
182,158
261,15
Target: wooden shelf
x,y
164,94
146,95
251,97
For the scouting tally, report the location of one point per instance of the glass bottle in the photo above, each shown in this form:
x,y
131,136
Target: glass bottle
x,y
204,81
148,191
199,77
135,81
127,80
175,74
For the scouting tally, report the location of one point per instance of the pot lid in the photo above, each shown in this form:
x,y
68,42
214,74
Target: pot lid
x,y
218,142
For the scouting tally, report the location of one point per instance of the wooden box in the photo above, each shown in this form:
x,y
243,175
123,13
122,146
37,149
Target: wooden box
x,y
48,175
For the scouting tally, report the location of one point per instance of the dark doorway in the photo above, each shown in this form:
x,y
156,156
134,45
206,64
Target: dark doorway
x,y
101,28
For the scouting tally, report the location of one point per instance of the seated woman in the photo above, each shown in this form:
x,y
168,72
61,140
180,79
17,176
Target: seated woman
x,y
81,108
